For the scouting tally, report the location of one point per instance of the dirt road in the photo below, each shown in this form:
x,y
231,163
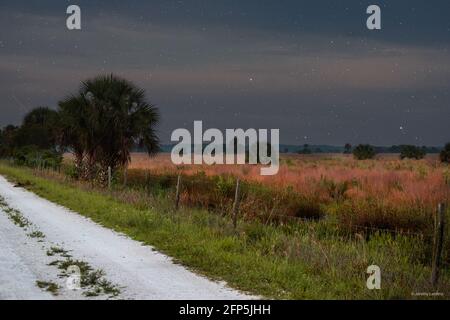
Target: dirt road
x,y
39,240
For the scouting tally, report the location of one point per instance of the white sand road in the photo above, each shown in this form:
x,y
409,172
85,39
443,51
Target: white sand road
x,y
139,271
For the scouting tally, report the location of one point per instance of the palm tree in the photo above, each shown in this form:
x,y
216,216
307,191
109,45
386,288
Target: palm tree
x,y
75,131
105,119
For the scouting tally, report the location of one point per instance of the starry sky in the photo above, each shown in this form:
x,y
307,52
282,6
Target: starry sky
x,y
310,68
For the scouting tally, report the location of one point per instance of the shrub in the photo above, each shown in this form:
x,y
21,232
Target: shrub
x,y
363,152
32,156
445,154
412,152
347,148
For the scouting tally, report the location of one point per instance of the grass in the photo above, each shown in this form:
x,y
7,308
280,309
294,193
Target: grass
x,y
48,286
58,251
14,215
36,234
93,281
384,193
308,260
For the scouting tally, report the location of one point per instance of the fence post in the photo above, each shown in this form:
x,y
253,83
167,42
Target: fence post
x,y
177,195
109,178
439,226
236,204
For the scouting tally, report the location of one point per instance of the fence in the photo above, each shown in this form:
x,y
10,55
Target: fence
x,y
437,235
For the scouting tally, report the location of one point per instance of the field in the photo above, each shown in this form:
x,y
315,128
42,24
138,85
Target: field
x,y
385,193
308,233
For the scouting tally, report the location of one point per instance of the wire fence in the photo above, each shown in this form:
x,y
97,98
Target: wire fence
x,y
183,186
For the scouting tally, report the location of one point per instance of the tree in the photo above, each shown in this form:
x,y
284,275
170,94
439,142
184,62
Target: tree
x,y
412,152
39,129
105,119
363,152
445,154
347,148
305,150
7,138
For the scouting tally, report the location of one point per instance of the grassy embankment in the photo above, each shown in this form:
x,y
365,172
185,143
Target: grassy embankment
x,y
311,260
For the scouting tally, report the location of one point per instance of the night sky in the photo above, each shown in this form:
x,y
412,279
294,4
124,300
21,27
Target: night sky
x,y
310,68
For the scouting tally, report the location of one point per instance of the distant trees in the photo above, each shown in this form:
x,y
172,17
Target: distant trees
x,y
347,148
412,152
363,152
103,121
305,150
445,154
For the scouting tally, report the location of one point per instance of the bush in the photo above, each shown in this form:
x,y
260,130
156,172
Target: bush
x,y
412,152
363,152
445,154
31,156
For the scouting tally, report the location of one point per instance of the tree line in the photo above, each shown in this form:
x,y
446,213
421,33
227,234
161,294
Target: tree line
x,y
98,124
367,151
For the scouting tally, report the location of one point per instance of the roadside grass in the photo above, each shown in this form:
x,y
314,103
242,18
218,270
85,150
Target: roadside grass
x,y
58,251
48,286
308,260
92,281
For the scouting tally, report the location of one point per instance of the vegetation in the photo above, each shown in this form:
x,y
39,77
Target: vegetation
x,y
382,193
34,143
292,260
31,156
445,154
412,152
364,152
347,148
103,121
305,150
7,140
48,286
99,125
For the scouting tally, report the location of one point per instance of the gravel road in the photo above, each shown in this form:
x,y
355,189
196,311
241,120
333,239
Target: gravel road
x,y
28,257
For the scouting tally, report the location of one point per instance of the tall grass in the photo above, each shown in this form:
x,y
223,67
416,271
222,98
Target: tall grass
x,y
310,259
385,193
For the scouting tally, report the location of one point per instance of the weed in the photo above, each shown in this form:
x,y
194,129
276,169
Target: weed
x,y
48,286
58,251
36,234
